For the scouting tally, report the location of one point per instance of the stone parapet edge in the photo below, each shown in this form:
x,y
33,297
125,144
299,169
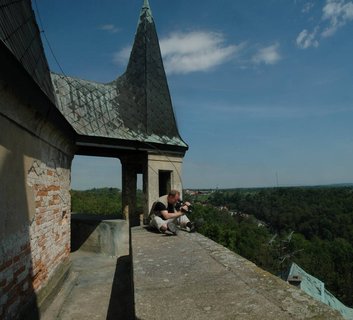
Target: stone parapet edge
x,y
268,285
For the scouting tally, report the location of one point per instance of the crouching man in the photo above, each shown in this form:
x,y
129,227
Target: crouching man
x,y
165,217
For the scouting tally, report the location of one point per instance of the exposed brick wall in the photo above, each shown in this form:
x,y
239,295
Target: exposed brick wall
x,y
15,273
30,257
50,228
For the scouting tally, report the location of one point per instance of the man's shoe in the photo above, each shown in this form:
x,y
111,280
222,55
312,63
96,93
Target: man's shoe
x,y
172,228
190,227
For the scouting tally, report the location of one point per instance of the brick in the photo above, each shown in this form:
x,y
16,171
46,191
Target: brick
x,y
42,193
3,283
54,188
26,251
36,284
5,265
25,246
10,301
22,278
19,271
9,287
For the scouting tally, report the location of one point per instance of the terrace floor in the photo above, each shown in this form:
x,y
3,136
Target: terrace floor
x,y
177,277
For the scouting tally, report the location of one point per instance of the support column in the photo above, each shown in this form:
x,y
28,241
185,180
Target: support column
x,y
129,185
132,164
146,208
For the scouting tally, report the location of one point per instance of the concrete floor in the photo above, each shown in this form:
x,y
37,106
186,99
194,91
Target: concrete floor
x,y
177,277
191,277
99,287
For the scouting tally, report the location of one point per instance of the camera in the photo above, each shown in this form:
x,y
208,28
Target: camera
x,y
180,204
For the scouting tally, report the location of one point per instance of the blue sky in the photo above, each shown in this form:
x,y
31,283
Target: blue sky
x,y
262,90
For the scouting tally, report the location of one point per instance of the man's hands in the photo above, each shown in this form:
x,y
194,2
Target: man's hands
x,y
185,207
178,213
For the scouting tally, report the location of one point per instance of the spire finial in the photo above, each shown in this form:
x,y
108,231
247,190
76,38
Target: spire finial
x,y
146,11
146,4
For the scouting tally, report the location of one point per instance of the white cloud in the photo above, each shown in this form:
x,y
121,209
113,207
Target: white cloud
x,y
306,39
121,57
335,14
195,51
109,28
190,52
338,13
307,7
267,55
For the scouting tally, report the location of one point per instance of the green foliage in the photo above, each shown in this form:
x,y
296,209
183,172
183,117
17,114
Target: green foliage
x,y
321,219
244,237
104,201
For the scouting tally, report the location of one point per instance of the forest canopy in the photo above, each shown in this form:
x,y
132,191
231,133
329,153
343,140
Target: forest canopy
x,y
276,226
271,227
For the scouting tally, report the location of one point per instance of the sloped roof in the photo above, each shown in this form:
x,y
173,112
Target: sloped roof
x,y
136,106
20,34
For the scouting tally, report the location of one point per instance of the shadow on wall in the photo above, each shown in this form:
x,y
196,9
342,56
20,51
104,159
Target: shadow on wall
x,y
81,229
83,226
16,266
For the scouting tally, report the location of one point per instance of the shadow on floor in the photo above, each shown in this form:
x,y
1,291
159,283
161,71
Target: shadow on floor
x,y
121,304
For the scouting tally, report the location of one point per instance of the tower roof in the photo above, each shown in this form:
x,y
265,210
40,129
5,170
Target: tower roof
x,y
136,106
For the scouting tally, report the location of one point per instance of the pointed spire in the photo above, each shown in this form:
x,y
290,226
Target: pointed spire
x,y
146,12
144,85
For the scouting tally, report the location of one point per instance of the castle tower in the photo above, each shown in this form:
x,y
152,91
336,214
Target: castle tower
x,y
130,118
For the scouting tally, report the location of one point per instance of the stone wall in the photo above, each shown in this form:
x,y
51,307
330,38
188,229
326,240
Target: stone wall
x,y
156,163
35,161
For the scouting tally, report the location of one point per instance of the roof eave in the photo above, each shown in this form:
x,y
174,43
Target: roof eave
x,y
96,145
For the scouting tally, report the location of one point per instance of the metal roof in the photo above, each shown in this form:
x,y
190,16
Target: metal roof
x,y
136,106
20,34
102,110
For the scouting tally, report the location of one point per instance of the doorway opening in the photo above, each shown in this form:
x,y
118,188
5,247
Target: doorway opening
x,y
164,181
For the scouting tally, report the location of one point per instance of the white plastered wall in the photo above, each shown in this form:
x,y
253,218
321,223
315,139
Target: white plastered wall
x,y
166,163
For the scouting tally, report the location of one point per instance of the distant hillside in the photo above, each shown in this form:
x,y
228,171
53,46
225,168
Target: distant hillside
x,y
99,201
339,185
102,201
251,189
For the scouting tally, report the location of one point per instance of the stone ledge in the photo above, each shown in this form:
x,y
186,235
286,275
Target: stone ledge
x,y
191,276
99,234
